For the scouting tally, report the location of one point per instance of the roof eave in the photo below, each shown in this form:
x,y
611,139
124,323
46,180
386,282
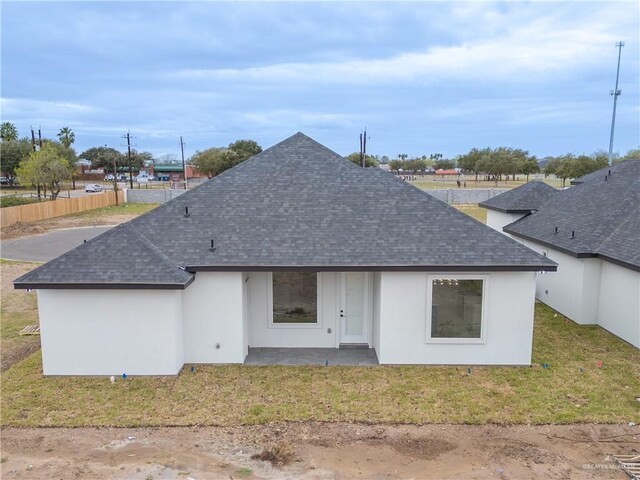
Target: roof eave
x,y
101,285
508,210
373,268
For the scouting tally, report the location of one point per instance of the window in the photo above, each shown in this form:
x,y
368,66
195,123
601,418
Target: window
x,y
456,310
294,298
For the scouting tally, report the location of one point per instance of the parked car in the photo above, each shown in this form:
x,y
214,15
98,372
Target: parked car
x,y
109,178
163,178
93,187
142,179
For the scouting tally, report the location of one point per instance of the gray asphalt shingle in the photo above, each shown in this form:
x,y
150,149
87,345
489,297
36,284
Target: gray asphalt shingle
x,y
523,199
300,205
599,216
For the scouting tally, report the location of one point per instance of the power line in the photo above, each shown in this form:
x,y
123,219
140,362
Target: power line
x,y
615,93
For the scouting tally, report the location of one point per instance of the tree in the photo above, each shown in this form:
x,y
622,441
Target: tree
x,y
414,165
528,166
630,155
66,136
214,161
444,164
45,167
369,160
8,132
12,152
402,156
395,165
104,157
245,148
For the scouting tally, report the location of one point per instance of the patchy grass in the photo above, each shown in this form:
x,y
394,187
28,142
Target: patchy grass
x,y
433,183
134,209
573,389
18,309
474,211
113,215
14,201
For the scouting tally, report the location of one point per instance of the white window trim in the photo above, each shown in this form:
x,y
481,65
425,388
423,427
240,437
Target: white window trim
x,y
484,309
318,323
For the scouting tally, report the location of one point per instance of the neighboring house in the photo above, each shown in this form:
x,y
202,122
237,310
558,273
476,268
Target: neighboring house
x,y
592,230
295,247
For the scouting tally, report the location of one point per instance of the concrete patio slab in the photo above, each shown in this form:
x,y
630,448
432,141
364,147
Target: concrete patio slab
x,y
362,357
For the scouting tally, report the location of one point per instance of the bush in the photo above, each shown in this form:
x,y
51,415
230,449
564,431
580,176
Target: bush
x,y
13,201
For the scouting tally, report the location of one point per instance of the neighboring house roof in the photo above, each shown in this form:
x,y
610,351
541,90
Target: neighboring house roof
x,y
297,205
523,199
599,217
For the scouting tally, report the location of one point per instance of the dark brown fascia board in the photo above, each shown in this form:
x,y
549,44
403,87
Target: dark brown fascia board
x,y
101,286
507,210
551,245
371,268
620,263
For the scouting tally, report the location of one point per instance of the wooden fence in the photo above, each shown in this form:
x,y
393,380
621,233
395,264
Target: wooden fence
x,y
57,208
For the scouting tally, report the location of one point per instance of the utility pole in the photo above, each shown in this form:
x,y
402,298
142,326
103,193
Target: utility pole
x,y
39,137
184,168
615,93
33,139
128,137
363,148
33,144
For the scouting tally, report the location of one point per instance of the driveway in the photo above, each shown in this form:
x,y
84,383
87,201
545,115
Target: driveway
x,y
42,248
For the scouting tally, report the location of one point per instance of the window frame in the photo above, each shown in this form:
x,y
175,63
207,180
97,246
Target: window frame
x,y
483,310
317,324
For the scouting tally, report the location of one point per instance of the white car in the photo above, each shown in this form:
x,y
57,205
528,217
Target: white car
x,y
93,187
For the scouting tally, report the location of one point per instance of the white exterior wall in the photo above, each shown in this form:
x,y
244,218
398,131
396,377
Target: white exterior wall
x,y
497,220
213,318
509,321
261,334
111,332
376,310
573,290
619,309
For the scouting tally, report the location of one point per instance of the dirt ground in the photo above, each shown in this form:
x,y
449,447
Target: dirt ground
x,y
24,229
321,451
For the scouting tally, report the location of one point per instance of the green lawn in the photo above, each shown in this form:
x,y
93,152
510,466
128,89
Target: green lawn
x,y
572,389
122,209
430,182
474,211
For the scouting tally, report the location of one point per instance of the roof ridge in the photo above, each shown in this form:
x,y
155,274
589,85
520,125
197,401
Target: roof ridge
x,y
154,248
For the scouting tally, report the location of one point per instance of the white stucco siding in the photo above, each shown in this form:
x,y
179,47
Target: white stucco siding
x,y
508,321
573,289
262,334
619,307
497,220
376,310
111,332
213,318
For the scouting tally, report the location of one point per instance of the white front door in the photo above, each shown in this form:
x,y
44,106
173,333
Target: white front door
x,y
354,311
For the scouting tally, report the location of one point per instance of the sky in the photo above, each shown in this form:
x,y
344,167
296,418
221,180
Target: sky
x,y
422,77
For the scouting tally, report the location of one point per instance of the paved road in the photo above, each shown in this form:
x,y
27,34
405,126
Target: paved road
x,y
44,247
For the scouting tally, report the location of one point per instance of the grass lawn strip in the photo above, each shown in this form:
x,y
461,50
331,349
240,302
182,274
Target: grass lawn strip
x,y
573,389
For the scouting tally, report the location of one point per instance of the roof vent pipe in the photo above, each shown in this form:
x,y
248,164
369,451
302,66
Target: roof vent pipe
x,y
556,231
212,247
186,212
573,234
609,172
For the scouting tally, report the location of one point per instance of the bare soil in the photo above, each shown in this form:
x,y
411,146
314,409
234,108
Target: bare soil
x,y
25,229
321,451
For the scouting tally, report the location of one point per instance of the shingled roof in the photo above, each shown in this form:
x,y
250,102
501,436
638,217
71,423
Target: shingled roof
x,y
297,205
598,217
523,199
